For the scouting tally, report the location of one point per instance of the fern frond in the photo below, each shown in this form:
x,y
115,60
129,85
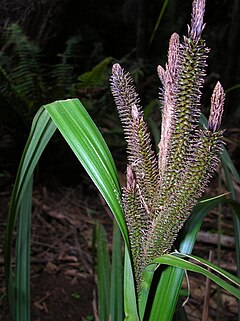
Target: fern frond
x,y
97,76
63,73
24,69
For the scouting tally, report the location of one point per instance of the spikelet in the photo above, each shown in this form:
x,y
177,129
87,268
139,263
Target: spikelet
x,y
183,82
169,103
140,154
135,215
187,155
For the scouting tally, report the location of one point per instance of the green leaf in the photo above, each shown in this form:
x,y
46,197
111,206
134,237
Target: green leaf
x,y
215,268
116,299
22,309
167,294
235,210
164,6
88,145
228,162
103,273
174,260
147,278
97,76
41,132
130,302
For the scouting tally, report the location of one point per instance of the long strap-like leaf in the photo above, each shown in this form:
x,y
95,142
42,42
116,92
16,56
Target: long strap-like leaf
x,y
88,145
103,273
116,295
22,310
80,132
174,260
41,132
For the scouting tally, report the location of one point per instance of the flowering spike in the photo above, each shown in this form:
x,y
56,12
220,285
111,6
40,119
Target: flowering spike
x,y
161,74
159,197
197,25
184,79
140,153
173,54
125,96
135,114
116,69
169,104
216,111
136,221
131,180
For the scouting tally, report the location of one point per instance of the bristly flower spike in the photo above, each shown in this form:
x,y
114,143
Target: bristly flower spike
x,y
140,152
160,196
197,24
216,111
139,201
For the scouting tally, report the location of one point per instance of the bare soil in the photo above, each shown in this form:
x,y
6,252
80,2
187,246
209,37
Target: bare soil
x,y
62,281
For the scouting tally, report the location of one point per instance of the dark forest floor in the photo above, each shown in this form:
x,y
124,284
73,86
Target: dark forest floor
x,y
62,282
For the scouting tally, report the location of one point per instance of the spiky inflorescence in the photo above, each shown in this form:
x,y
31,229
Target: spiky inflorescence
x,y
142,162
184,78
158,201
140,153
135,215
182,83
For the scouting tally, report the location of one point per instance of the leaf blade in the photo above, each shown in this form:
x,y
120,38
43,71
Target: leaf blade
x,y
180,263
103,273
116,298
41,132
87,143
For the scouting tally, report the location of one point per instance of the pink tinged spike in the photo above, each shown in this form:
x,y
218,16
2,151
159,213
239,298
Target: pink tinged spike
x,y
131,181
125,97
197,25
116,69
169,102
135,113
161,74
171,73
173,54
216,111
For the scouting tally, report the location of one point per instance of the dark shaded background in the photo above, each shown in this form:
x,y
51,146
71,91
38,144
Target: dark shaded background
x,y
47,46
96,29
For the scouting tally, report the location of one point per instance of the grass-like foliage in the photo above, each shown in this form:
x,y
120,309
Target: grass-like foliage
x,y
161,199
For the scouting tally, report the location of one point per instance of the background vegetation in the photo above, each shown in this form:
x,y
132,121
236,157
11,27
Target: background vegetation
x,y
48,46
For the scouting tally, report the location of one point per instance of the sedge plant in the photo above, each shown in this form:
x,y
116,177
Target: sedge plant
x,y
161,193
160,202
